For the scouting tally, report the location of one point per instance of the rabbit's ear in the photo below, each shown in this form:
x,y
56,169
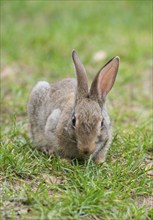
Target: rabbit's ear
x,y
82,82
104,80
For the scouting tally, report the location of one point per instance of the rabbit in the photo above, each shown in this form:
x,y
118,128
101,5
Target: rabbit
x,y
69,119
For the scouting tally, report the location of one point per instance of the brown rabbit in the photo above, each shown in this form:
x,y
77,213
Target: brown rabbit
x,y
70,120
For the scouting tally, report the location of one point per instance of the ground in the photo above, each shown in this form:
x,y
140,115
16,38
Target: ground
x,y
36,42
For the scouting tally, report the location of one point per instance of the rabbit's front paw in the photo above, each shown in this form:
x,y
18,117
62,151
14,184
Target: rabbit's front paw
x,y
47,150
99,160
100,157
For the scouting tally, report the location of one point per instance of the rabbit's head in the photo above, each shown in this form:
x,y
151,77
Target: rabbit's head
x,y
89,119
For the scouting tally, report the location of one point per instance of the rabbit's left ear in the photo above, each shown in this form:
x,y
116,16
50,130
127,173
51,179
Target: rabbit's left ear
x,y
104,80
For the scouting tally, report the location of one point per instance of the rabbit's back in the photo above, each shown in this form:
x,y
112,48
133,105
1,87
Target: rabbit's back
x,y
60,92
47,97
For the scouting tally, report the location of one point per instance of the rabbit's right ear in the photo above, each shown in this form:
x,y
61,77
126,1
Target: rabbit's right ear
x,y
82,82
104,80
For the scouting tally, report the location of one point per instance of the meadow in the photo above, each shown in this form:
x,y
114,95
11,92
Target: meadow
x,y
37,38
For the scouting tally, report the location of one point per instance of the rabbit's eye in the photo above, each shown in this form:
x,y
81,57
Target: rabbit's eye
x,y
102,124
73,120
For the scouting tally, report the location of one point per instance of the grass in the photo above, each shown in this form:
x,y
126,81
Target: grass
x,y
37,39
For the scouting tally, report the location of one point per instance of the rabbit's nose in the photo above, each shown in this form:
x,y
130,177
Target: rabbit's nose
x,y
86,152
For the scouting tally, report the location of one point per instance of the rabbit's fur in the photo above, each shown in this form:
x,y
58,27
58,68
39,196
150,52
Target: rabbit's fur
x,y
70,120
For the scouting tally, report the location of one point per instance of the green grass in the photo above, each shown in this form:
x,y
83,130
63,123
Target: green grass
x,y
36,43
